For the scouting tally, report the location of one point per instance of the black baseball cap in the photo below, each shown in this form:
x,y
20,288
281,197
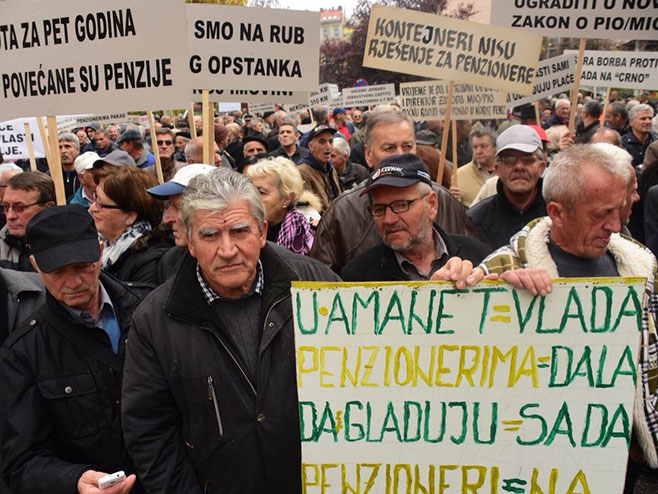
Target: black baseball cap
x,y
62,235
254,138
319,129
399,170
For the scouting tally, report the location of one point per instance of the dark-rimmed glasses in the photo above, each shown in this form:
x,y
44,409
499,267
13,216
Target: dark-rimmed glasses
x,y
102,205
18,207
399,206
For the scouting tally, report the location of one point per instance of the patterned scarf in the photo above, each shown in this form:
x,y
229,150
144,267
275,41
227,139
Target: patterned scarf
x,y
296,233
113,251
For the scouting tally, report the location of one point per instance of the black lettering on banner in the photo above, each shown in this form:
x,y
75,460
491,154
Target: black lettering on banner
x,y
581,22
56,30
105,25
40,82
250,66
212,30
137,74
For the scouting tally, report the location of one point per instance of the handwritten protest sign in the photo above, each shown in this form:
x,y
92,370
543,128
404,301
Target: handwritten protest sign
x,y
623,69
380,94
62,58
554,75
428,101
609,19
253,96
324,95
251,48
426,388
441,47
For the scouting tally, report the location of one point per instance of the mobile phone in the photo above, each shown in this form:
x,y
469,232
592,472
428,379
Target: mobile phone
x,y
111,479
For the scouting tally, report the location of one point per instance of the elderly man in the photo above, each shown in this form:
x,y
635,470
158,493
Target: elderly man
x,y
471,177
349,174
103,144
317,171
287,138
131,142
403,206
69,148
639,137
253,145
616,116
26,194
164,139
561,114
519,163
347,228
210,394
172,192
585,189
590,115
60,427
194,152
7,170
84,165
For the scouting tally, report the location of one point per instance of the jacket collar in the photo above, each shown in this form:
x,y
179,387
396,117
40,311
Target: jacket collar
x,y
19,282
537,201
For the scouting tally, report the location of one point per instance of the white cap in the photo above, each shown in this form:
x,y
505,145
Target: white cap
x,y
85,161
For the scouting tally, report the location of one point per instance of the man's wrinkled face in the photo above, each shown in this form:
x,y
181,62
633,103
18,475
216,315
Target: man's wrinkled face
x,y
165,145
102,142
257,126
287,135
82,137
253,147
518,171
404,231
174,218
75,285
339,160
68,153
614,120
357,116
227,244
641,124
25,200
114,133
631,197
180,142
585,229
321,146
390,139
484,149
562,109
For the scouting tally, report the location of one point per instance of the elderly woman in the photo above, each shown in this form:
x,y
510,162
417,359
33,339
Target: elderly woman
x,y
128,222
281,187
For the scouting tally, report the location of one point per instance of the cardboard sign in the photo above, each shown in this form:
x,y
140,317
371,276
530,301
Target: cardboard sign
x,y
229,107
292,108
252,48
381,94
323,96
450,49
605,19
622,69
84,120
253,96
554,75
428,100
260,107
95,57
421,387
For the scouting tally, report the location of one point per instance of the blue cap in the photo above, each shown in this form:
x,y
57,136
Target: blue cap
x,y
179,183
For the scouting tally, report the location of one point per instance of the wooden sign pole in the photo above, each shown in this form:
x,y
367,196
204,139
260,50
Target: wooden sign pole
x,y
454,154
30,146
190,119
208,129
574,93
537,115
154,146
55,163
44,138
605,105
446,127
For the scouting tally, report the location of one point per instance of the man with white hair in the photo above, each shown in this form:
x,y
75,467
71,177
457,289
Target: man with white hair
x,y
69,149
349,174
639,137
561,114
84,164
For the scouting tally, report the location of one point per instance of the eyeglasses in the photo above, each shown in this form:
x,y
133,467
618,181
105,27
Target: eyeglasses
x,y
526,160
103,206
18,207
165,143
401,206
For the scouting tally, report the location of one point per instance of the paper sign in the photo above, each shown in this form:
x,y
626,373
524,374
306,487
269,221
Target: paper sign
x,y
421,387
260,107
554,75
229,107
604,19
100,56
381,94
252,48
323,96
296,108
450,49
623,69
428,100
84,120
253,96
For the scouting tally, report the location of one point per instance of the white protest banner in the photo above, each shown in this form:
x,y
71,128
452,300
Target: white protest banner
x,y
84,120
260,107
427,100
296,108
323,96
253,96
622,69
554,75
96,57
380,94
13,143
422,387
607,19
450,49
252,48
229,107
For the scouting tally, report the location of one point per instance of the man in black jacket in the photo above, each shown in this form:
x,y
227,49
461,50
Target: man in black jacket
x,y
210,394
60,428
518,199
403,206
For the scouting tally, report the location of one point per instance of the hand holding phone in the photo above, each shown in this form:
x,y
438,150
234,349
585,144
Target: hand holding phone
x,y
93,482
111,479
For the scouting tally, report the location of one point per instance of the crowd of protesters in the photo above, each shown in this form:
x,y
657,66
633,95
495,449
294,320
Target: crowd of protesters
x,y
147,326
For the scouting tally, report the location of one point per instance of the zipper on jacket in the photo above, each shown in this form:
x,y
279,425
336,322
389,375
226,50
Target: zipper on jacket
x,y
213,397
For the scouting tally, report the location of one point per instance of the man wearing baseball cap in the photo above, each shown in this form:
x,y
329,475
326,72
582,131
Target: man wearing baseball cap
x,y
84,164
318,173
60,428
519,163
403,206
172,192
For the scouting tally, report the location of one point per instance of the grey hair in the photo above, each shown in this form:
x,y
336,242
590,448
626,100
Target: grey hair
x,y
320,113
217,190
618,108
562,101
254,121
641,107
9,167
563,180
485,131
70,137
593,108
342,146
289,121
385,115
608,131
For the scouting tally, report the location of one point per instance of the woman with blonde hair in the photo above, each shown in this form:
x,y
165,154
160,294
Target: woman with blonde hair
x,y
281,187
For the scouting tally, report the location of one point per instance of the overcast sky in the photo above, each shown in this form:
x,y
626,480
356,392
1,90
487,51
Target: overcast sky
x,y
348,5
